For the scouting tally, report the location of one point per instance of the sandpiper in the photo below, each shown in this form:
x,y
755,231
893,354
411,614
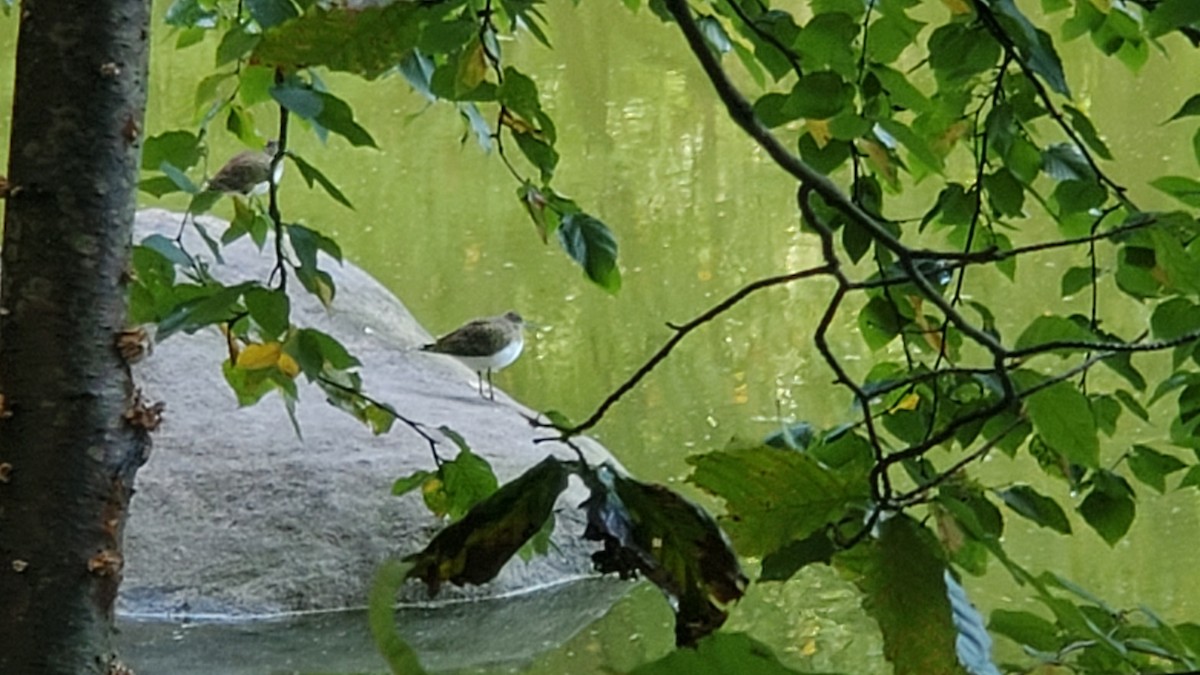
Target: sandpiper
x,y
484,345
248,173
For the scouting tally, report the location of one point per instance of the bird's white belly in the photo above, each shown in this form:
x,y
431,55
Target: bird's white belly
x,y
496,361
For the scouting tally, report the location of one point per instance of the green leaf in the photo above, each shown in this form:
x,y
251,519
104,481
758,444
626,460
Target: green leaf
x,y
1048,329
191,13
1075,280
783,564
317,353
958,52
1087,131
1181,265
879,323
180,179
539,152
773,497
827,41
1033,505
1026,628
775,109
323,108
180,149
1190,108
916,145
414,480
650,530
217,304
270,13
270,309
1170,15
472,550
1035,47
902,92
312,174
1191,478
366,41
445,37
1078,196
1175,317
826,159
236,44
1109,507
889,36
820,95
1063,161
306,242
590,243
1152,467
1186,190
157,186
1131,404
519,94
718,654
466,480
1061,415
381,616
1005,192
249,386
901,577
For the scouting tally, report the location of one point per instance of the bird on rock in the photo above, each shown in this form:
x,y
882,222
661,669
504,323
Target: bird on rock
x,y
484,345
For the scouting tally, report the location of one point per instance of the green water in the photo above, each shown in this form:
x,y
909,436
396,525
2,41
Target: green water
x,y
699,212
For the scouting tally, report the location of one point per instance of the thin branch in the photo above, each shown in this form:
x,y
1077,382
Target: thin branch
x,y
682,331
417,427
1112,348
273,204
911,497
994,254
834,263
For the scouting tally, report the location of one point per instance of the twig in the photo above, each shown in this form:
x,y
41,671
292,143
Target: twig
x,y
273,204
416,426
682,331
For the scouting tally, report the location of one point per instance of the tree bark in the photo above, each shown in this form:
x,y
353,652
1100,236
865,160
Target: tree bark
x,y
72,430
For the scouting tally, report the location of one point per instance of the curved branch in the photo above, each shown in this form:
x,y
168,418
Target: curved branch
x,y
682,331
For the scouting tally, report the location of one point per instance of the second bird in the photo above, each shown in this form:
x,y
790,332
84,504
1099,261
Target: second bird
x,y
248,173
484,345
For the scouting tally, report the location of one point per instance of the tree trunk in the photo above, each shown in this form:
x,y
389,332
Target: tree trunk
x,y
72,430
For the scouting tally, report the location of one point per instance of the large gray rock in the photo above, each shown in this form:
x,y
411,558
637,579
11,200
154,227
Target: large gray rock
x,y
236,515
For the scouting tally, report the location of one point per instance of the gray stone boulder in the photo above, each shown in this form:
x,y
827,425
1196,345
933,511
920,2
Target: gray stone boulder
x,y
236,516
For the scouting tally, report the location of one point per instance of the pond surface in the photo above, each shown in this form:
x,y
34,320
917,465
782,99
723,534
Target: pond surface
x,y
699,211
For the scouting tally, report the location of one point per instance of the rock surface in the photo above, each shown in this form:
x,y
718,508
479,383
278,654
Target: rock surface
x,y
235,515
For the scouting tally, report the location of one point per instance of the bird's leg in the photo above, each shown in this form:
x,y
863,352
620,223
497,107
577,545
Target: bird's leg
x,y
491,390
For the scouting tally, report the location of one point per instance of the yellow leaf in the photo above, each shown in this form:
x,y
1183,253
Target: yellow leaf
x,y
957,6
430,486
1103,5
820,131
288,365
472,69
948,138
909,402
257,357
949,531
880,159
